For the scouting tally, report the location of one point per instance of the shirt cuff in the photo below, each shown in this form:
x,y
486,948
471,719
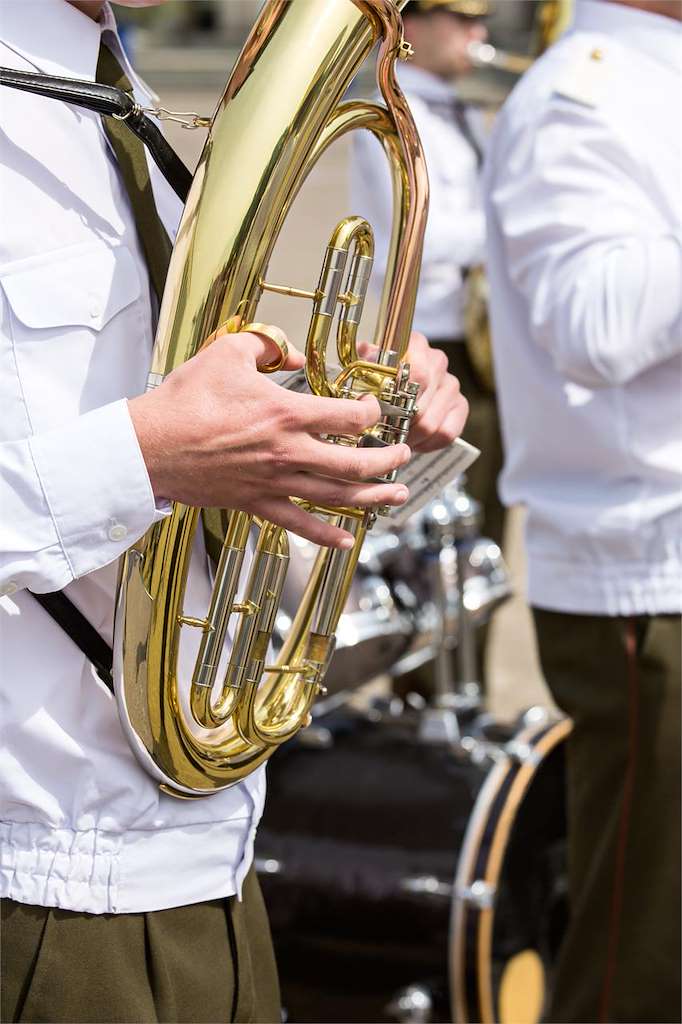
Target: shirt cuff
x,y
96,486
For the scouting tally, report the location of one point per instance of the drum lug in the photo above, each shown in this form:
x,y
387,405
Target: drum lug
x,y
268,866
412,1004
481,751
426,885
479,894
522,753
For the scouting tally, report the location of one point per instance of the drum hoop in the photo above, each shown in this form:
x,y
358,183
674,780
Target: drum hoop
x,y
496,806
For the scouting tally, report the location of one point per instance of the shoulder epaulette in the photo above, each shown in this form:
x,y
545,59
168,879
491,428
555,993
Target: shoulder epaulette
x,y
584,79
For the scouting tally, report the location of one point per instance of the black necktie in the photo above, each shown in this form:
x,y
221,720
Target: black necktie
x,y
465,128
130,154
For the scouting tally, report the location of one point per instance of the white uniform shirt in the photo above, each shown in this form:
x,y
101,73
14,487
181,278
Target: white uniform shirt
x,y
455,231
585,270
82,826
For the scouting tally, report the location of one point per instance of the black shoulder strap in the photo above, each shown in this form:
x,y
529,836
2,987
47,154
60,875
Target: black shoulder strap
x,y
76,626
110,101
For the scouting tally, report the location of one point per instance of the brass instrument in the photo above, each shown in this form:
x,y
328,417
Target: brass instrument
x,y
280,111
485,55
551,19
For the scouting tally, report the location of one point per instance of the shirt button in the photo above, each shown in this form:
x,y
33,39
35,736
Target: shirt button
x,y
118,531
9,588
94,309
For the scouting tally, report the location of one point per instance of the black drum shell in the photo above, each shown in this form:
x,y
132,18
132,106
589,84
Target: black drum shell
x,y
361,842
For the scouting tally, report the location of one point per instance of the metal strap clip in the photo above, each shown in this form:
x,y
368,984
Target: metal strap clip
x,y
188,119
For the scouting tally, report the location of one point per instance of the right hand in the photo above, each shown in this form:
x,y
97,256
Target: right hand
x,y
219,434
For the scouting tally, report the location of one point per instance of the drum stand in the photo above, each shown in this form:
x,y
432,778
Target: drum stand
x,y
452,531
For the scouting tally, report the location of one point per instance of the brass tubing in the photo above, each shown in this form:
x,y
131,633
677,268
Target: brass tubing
x,y
350,231
222,599
284,111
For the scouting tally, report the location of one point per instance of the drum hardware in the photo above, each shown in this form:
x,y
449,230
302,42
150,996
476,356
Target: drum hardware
x,y
413,1004
468,582
482,752
427,885
267,865
440,724
479,894
520,752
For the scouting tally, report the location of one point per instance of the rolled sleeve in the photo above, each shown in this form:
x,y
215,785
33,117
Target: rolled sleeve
x,y
74,498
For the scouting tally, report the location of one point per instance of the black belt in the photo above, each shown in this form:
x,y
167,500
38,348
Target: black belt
x,y
111,102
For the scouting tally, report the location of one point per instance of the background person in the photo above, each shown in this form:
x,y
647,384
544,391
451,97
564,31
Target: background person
x,y
120,902
585,270
453,139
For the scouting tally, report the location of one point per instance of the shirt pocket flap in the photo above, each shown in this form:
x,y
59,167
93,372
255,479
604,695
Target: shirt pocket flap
x,y
84,286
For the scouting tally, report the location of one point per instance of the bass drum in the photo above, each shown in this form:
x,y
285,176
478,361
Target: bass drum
x,y
408,880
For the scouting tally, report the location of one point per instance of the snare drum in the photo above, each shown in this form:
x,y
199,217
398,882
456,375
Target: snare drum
x,y
414,881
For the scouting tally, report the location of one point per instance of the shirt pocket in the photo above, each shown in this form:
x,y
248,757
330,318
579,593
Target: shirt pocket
x,y
80,328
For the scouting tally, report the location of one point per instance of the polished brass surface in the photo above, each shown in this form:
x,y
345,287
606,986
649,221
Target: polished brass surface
x,y
280,110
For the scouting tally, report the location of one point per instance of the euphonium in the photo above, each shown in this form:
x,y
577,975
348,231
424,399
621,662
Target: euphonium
x,y
280,110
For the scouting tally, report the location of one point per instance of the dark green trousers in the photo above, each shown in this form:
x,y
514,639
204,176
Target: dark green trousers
x,y
208,962
619,680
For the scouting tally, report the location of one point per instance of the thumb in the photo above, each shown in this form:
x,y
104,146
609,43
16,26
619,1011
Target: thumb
x,y
270,348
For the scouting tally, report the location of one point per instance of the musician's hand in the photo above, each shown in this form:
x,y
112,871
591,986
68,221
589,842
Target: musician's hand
x,y
218,433
442,408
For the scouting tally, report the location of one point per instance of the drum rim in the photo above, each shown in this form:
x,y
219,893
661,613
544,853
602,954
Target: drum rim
x,y
517,775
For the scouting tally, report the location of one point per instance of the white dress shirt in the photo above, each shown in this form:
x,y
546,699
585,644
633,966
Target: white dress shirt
x,y
585,269
455,231
82,826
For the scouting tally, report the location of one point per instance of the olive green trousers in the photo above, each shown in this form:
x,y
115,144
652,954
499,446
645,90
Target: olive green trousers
x,y
208,962
619,680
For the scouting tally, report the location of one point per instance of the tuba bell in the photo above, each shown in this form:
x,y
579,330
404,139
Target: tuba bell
x,y
280,110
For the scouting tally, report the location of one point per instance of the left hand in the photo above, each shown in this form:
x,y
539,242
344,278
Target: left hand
x,y
443,409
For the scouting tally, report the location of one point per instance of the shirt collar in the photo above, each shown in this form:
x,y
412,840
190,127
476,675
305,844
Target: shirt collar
x,y
425,84
53,36
654,34
58,39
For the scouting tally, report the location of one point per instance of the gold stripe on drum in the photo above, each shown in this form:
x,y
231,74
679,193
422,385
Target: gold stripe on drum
x,y
522,987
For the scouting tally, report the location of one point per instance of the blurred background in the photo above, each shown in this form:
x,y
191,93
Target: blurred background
x,y
185,50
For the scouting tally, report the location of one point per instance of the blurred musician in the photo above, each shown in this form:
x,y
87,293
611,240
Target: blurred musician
x,y
585,268
442,33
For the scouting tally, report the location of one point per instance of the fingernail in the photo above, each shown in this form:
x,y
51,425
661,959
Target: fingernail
x,y
347,543
401,495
